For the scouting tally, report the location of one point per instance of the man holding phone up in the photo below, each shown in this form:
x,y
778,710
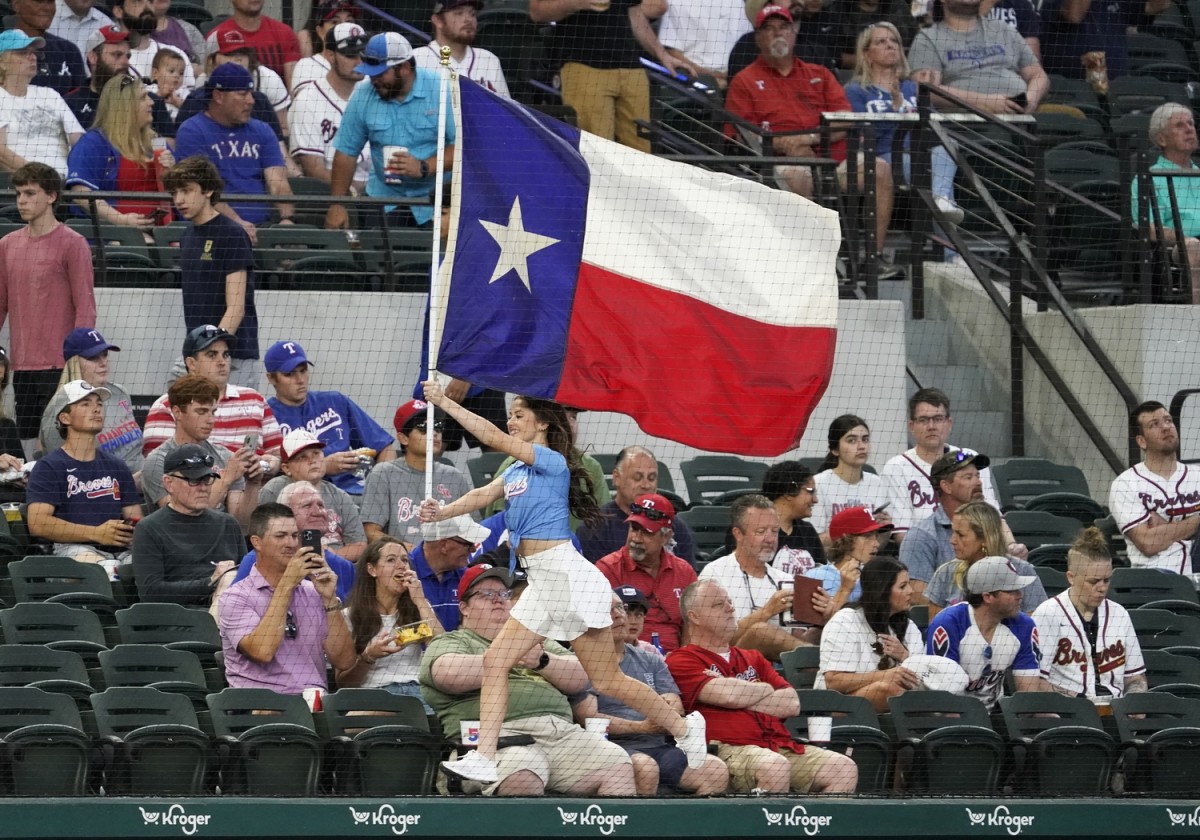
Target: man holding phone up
x,y
276,629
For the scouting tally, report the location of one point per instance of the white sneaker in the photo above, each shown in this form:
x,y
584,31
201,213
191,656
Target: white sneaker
x,y
474,767
695,742
950,211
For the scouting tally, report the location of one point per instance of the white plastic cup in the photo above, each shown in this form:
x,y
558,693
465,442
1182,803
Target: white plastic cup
x,y
390,176
598,726
158,144
820,729
469,732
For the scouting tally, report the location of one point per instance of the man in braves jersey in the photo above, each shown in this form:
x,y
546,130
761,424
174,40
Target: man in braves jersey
x,y
395,490
454,27
1091,649
81,498
912,492
987,634
1155,502
335,419
318,104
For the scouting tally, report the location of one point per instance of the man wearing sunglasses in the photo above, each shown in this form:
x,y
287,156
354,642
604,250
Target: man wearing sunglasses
x,y
394,490
185,552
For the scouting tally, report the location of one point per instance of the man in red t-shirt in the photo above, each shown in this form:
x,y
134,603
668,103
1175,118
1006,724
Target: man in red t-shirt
x,y
781,93
273,41
744,703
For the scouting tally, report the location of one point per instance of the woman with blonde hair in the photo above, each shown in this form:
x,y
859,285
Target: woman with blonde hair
x,y
118,154
977,531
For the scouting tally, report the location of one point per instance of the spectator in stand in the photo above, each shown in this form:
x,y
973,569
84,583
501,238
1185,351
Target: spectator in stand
x,y
745,702
273,41
76,20
87,355
186,552
977,531
178,33
387,595
276,627
1173,129
842,482
244,150
704,34
857,15
243,417
881,85
454,27
198,100
1021,15
786,96
59,61
395,489
866,642
217,265
1072,28
636,607
166,76
138,19
35,123
342,426
318,105
635,474
107,57
229,46
600,44
440,561
645,562
117,155
80,498
43,261
1157,503
854,535
790,487
314,39
818,29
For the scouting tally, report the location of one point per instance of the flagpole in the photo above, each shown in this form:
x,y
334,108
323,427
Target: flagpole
x,y
445,75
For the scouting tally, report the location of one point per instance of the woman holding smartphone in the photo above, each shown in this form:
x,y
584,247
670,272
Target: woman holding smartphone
x,y
567,597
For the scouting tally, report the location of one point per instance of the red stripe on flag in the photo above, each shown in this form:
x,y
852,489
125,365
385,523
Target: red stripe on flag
x,y
689,371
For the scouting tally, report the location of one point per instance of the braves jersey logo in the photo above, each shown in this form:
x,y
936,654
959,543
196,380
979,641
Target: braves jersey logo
x,y
920,494
941,642
1179,505
328,131
95,489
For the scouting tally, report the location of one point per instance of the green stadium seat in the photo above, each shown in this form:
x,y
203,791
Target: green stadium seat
x,y
1050,555
267,742
800,666
1160,740
856,733
1133,588
164,669
1018,480
43,748
946,744
1158,629
1059,744
708,524
1035,528
380,743
1163,668
710,477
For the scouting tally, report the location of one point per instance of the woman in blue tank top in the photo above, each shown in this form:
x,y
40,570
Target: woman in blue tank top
x,y
567,597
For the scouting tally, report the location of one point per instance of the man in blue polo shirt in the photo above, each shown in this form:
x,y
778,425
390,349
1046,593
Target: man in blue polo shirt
x,y
244,150
335,419
399,108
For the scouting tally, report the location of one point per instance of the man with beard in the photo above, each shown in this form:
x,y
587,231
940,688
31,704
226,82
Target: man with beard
x,y
985,63
454,26
1155,502
108,56
137,18
274,41
399,108
59,64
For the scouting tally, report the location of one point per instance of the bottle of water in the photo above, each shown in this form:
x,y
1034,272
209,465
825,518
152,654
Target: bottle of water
x,y
657,642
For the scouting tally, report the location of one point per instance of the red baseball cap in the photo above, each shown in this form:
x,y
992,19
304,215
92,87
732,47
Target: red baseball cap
x,y
856,521
769,11
652,511
482,571
410,411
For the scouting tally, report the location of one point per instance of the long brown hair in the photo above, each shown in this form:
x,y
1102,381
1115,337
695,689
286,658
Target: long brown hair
x,y
365,621
581,495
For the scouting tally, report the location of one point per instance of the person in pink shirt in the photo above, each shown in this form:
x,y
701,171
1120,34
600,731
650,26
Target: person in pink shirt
x,y
46,285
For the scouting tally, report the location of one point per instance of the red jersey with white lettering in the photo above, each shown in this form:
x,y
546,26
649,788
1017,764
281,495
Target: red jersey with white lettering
x,y
1068,661
240,412
1138,493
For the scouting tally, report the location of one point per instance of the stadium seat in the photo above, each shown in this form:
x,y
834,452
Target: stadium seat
x,y
266,742
1129,94
1174,605
176,627
56,626
1158,629
1059,744
55,671
1069,505
1133,588
164,669
1050,556
1160,741
62,580
124,250
709,524
919,614
152,742
1035,528
380,744
1163,668
194,14
946,743
43,748
483,468
306,258
1053,580
1055,129
800,666
1018,480
856,733
1149,51
709,477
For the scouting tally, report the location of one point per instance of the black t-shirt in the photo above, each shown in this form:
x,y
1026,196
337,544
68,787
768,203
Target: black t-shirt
x,y
174,554
603,40
209,253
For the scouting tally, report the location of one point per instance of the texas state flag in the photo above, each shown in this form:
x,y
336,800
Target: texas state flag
x,y
702,305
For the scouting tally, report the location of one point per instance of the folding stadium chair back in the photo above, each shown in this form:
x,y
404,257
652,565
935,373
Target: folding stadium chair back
x,y
947,744
42,743
1158,629
56,671
1018,480
1050,556
1059,744
1134,588
1160,735
1069,505
709,524
267,742
157,746
54,625
380,743
1164,668
709,477
164,669
856,733
1035,528
800,666
483,468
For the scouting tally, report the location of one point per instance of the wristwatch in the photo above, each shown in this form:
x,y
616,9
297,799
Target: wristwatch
x,y
542,662
335,606
424,169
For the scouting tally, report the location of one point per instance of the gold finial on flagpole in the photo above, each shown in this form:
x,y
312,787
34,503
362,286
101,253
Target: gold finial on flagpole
x,y
445,51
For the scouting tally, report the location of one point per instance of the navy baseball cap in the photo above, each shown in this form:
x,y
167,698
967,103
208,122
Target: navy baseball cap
x,y
86,342
285,357
632,597
201,337
230,76
387,49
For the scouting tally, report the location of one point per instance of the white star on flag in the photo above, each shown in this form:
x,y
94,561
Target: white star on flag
x,y
517,245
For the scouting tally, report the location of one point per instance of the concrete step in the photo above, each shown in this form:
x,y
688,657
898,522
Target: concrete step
x,y
962,383
988,432
927,343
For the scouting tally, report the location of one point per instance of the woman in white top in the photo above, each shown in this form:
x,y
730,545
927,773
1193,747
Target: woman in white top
x,y
387,594
841,481
865,643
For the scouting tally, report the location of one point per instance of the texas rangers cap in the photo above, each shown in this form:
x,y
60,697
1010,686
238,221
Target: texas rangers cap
x,y
296,441
769,11
226,42
111,34
387,49
855,521
285,357
652,511
348,39
232,77
994,574
86,342
952,462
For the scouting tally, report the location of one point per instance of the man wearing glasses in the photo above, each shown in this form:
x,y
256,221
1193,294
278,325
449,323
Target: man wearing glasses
x,y
185,552
394,490
279,626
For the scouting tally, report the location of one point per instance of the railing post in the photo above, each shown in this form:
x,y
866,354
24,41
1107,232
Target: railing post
x,y
922,174
1016,353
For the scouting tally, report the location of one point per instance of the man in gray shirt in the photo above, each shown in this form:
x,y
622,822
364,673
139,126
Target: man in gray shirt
x,y
983,62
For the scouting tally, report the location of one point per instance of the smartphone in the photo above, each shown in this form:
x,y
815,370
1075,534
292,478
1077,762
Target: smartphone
x,y
250,441
311,538
159,214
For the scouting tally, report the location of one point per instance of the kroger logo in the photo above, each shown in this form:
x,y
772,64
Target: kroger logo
x,y
1191,820
1001,817
593,815
385,814
798,817
189,824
